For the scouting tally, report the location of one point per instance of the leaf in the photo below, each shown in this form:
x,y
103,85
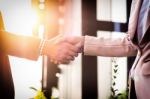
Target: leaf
x,y
112,89
116,90
116,65
115,77
114,83
111,97
33,88
115,70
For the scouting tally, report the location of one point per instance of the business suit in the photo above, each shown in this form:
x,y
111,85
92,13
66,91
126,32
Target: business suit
x,y
6,82
26,48
128,46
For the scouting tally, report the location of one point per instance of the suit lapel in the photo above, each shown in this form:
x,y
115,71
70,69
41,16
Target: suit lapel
x,y
148,21
135,9
146,29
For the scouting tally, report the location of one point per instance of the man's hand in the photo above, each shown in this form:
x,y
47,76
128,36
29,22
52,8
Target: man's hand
x,y
77,41
61,50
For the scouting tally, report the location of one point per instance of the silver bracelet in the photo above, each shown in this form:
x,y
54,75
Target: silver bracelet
x,y
41,46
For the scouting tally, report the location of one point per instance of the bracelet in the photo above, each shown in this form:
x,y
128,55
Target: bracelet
x,y
41,47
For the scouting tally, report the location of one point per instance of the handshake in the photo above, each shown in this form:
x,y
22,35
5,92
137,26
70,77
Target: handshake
x,y
62,50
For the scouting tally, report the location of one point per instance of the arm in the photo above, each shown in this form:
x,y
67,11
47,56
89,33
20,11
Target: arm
x,y
21,46
57,48
30,47
113,47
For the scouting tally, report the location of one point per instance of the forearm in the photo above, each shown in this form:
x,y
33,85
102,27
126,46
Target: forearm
x,y
117,47
20,46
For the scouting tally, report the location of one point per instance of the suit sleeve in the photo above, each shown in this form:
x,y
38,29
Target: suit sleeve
x,y
20,46
112,47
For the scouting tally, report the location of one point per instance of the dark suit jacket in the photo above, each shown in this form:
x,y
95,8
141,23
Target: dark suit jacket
x,y
15,45
6,82
20,46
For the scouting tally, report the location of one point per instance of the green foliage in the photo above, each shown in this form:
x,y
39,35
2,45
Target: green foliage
x,y
122,95
114,90
40,95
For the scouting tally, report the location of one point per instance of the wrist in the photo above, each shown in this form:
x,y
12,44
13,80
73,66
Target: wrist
x,y
43,47
82,43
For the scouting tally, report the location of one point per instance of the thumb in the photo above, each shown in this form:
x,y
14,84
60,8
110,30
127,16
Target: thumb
x,y
74,39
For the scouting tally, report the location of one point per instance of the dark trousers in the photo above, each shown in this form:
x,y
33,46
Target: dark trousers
x,y
6,81
132,91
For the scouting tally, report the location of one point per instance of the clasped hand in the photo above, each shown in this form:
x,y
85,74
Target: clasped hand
x,y
62,50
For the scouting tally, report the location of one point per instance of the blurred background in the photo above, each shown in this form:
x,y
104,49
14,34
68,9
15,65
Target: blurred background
x,y
88,77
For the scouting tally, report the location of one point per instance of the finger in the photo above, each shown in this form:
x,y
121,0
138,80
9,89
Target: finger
x,y
73,39
56,62
70,58
65,62
71,53
51,60
65,57
71,47
80,46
